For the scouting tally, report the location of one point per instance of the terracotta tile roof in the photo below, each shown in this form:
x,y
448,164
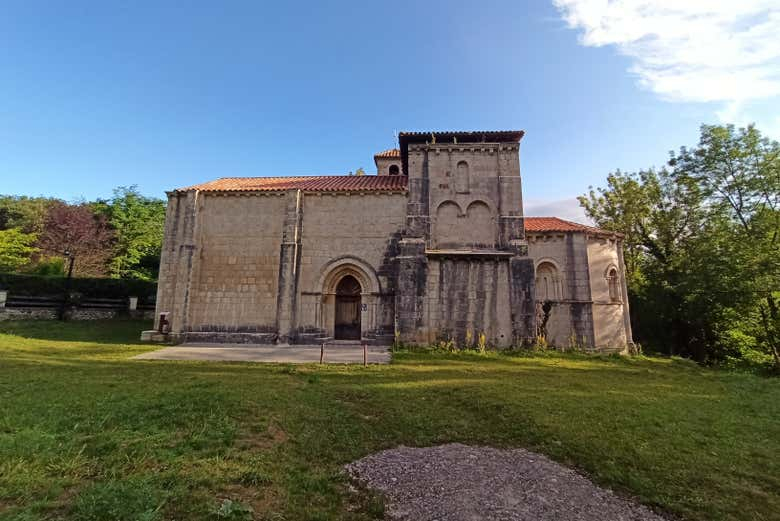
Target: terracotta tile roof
x,y
317,183
556,224
393,152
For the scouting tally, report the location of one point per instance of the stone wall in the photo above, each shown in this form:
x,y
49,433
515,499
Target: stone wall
x,y
610,316
581,313
463,268
253,267
176,259
466,297
349,233
235,279
28,314
448,260
37,313
570,321
471,187
383,164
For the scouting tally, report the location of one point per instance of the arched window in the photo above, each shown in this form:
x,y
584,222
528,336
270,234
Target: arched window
x,y
462,178
613,281
548,285
393,170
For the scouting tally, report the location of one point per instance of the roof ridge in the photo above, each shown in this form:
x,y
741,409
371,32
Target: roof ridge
x,y
541,226
292,176
316,183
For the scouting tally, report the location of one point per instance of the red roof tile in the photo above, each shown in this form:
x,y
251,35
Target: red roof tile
x,y
317,183
555,224
393,152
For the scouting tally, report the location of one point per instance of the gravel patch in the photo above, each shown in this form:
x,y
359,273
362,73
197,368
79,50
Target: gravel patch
x,y
457,482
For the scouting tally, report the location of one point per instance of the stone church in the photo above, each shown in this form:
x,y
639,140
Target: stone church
x,y
434,247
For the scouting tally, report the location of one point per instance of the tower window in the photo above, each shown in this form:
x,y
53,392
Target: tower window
x,y
462,178
393,170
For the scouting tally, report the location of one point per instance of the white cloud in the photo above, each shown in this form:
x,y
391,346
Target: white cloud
x,y
690,50
568,209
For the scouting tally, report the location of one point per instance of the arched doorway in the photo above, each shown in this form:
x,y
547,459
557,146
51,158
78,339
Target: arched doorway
x,y
347,324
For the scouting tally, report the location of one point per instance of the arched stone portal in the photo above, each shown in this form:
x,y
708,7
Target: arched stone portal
x,y
348,282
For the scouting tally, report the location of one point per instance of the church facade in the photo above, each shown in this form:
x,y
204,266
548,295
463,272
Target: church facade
x,y
434,247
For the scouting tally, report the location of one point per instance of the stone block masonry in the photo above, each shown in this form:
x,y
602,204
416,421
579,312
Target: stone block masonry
x,y
434,249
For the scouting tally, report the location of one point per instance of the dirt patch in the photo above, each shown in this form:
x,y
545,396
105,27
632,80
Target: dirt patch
x,y
264,501
274,435
462,483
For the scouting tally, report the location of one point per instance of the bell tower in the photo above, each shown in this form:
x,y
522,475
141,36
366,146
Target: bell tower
x,y
388,162
463,265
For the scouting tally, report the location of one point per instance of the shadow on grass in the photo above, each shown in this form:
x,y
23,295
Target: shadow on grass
x,y
112,331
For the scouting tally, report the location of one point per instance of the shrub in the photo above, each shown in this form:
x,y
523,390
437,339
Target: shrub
x,y
16,248
47,267
482,342
34,285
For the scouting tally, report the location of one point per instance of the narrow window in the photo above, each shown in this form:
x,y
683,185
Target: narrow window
x,y
614,285
393,170
462,178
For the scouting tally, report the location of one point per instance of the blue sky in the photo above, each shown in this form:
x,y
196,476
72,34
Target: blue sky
x,y
94,95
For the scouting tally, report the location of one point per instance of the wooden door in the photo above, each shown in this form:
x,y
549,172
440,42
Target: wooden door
x,y
347,326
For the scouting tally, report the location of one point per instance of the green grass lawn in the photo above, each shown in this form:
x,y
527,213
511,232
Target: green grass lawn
x,y
86,433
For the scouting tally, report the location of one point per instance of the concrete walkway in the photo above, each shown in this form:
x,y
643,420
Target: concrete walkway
x,y
298,354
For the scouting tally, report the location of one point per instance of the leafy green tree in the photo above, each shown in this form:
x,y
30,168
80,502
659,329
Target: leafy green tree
x,y
701,241
26,213
138,223
738,171
16,249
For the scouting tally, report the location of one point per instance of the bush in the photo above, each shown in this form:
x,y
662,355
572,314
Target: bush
x,y
47,267
39,286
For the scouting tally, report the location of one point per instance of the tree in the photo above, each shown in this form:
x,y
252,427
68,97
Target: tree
x,y
655,214
80,231
26,213
739,173
701,243
659,219
138,223
16,248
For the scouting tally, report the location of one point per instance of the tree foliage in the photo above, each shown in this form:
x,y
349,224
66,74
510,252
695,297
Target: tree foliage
x,y
702,240
85,235
16,248
138,223
26,213
120,237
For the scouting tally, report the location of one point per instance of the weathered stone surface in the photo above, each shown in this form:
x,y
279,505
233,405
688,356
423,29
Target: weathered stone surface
x,y
28,314
447,260
582,313
52,313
